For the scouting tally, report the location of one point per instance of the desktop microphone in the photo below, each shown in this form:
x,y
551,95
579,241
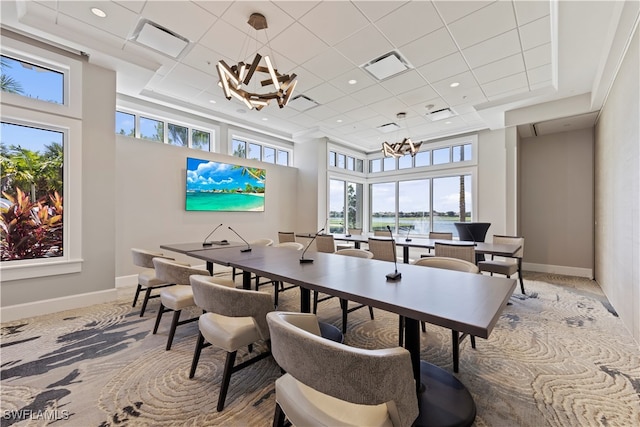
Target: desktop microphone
x,y
407,239
205,243
304,260
248,248
395,275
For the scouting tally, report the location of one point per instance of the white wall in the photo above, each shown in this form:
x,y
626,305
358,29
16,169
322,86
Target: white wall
x,y
492,181
617,192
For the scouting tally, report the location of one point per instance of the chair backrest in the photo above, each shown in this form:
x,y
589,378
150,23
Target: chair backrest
x,y
441,235
465,251
382,233
383,249
325,243
229,301
261,242
173,272
143,258
355,231
511,240
354,252
344,372
448,264
292,245
286,236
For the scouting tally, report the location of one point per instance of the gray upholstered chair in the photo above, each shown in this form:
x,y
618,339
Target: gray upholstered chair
x,y
455,264
437,235
286,236
325,243
344,304
330,384
179,297
383,249
233,318
463,250
506,265
147,280
382,233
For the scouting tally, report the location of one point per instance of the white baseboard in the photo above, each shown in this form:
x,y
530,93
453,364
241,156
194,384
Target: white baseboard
x,y
558,269
126,281
38,308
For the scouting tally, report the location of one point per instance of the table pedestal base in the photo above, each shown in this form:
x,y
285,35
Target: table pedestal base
x,y
445,401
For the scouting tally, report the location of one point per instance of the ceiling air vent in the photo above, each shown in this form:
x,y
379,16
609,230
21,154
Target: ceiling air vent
x,y
389,127
302,103
445,113
160,39
387,65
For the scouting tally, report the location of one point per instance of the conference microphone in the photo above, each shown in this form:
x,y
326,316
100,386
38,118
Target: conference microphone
x,y
304,260
407,239
395,275
248,248
205,243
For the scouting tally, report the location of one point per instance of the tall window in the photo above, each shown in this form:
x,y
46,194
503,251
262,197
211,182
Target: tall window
x,y
413,207
451,202
259,151
383,206
31,80
345,206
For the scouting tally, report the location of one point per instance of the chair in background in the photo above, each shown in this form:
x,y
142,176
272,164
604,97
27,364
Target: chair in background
x,y
437,235
325,243
506,265
465,251
449,264
179,297
349,245
233,318
383,249
473,232
382,233
344,304
257,242
328,383
286,236
293,245
147,280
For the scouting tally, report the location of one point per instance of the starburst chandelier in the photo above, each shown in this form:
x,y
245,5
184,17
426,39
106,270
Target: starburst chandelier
x,y
402,148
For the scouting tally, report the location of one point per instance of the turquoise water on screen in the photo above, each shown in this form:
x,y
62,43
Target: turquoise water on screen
x,y
224,202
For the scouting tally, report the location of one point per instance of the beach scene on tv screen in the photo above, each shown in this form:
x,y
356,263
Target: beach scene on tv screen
x,y
215,186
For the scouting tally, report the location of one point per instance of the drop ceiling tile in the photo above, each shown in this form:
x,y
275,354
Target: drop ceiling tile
x,y
538,56
190,77
419,96
217,7
119,21
334,21
328,65
297,9
362,79
298,44
234,41
502,68
535,33
467,92
429,48
132,5
306,80
540,74
362,113
410,22
324,93
164,14
375,10
488,22
527,11
515,93
239,12
344,104
404,82
453,10
365,45
321,112
491,50
444,68
376,121
203,59
372,94
543,85
389,107
506,85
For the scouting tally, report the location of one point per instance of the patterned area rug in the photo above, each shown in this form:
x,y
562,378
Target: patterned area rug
x,y
559,356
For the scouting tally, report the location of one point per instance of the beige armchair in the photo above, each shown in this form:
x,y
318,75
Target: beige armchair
x,y
233,318
437,235
330,384
383,249
286,236
464,251
147,280
325,243
504,265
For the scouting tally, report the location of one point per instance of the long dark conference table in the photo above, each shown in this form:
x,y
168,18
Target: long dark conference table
x,y
461,302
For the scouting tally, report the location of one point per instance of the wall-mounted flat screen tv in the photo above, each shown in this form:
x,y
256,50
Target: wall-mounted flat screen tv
x,y
215,186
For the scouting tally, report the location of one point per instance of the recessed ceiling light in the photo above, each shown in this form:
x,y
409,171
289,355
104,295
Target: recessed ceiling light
x,y
454,84
339,121
447,123
213,101
98,12
353,81
265,119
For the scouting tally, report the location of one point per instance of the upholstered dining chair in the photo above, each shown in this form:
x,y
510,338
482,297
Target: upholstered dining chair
x,y
465,251
437,235
446,263
383,249
286,236
329,384
233,319
325,243
147,280
179,297
349,245
344,304
382,233
506,265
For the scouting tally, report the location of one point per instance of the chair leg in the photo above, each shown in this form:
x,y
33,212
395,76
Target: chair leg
x,y
401,331
147,294
174,325
315,302
344,304
226,378
196,355
520,275
371,312
161,310
135,298
276,291
455,338
473,341
278,417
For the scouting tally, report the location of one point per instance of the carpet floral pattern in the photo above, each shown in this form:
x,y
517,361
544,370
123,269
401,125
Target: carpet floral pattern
x,y
558,356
